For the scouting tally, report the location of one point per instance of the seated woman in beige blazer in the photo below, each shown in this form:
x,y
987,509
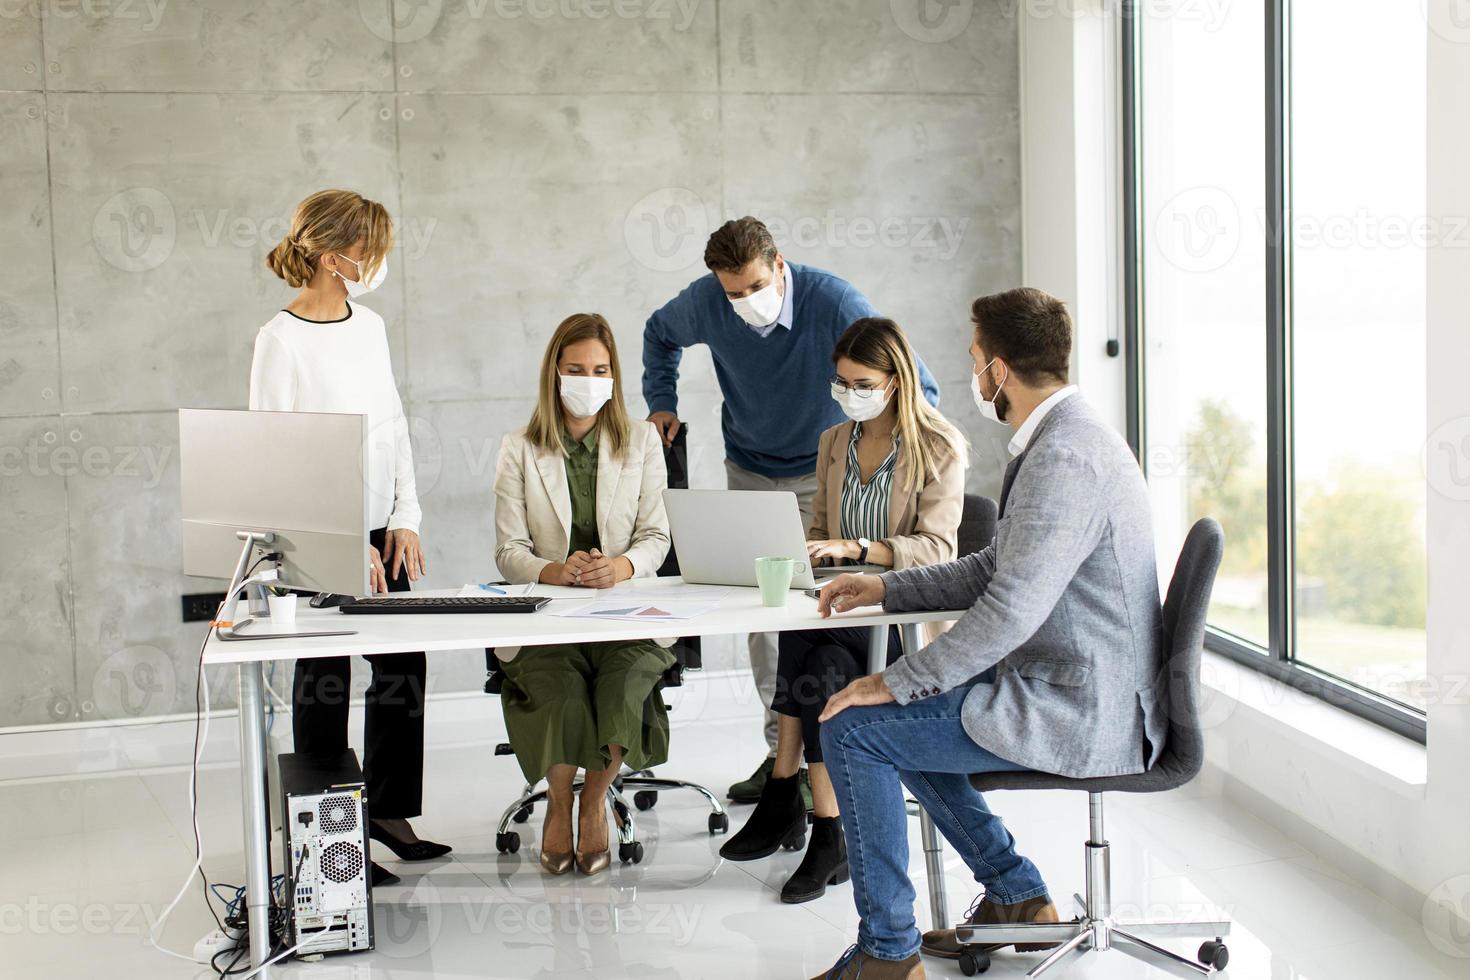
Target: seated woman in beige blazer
x,y
579,501
890,492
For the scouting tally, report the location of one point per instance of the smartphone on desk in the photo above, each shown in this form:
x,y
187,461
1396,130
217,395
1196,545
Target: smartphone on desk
x,y
814,593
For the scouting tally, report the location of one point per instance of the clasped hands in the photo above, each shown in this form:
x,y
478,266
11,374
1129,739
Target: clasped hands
x,y
588,569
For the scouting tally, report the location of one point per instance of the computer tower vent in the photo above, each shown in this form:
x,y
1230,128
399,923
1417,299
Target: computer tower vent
x,y
341,862
337,815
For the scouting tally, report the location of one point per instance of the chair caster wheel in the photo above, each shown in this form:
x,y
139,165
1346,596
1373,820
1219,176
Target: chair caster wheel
x,y
719,823
523,814
508,842
797,843
1214,954
632,852
644,799
973,961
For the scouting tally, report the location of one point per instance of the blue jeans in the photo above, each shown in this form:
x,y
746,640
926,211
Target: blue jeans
x,y
869,752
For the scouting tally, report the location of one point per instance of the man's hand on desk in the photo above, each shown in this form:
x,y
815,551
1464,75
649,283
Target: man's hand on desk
x,y
377,580
404,551
865,690
849,592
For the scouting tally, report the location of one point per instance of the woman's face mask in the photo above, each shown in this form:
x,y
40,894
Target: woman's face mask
x,y
356,287
583,395
861,404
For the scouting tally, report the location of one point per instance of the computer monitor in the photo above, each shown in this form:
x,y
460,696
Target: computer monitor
x,y
299,476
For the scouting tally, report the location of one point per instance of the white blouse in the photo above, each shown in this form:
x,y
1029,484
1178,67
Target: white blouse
x,y
343,366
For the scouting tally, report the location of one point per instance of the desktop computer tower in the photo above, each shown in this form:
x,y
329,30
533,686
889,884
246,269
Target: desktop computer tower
x,y
324,843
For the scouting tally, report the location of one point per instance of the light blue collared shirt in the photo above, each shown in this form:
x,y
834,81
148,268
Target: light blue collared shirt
x,y
784,320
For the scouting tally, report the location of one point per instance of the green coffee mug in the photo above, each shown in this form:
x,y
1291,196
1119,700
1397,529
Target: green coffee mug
x,y
774,576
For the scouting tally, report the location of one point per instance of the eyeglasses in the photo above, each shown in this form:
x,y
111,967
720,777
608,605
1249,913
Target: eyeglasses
x,y
862,389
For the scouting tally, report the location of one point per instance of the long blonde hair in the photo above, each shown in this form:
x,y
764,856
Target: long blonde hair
x,y
926,436
545,427
332,221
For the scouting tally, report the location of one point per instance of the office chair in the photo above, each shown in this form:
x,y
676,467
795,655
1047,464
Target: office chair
x,y
687,656
1095,928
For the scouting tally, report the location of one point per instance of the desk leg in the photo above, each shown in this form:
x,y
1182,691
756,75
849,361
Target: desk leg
x,y
877,649
256,815
928,833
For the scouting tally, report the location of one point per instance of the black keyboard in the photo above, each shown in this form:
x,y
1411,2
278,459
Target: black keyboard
x,y
446,604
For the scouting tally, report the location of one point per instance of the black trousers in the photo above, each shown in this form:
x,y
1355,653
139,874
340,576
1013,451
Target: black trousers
x,y
393,730
816,664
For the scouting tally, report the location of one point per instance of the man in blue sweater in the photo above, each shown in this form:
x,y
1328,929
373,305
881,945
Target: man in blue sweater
x,y
771,327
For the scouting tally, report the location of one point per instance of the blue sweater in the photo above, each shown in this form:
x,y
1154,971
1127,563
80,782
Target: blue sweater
x,y
777,399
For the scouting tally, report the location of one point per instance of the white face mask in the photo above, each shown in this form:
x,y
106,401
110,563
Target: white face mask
x,y
761,308
584,395
986,405
858,408
356,287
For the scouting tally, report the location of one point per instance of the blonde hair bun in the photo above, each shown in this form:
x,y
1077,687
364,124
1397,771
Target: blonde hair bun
x,y
331,221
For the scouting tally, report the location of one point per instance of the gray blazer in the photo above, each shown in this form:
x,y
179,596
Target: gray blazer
x,y
1064,604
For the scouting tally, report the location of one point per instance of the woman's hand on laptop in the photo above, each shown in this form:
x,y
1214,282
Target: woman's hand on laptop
x,y
872,689
849,592
835,549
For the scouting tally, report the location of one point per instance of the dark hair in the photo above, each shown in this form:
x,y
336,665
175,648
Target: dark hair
x,y
1029,330
736,244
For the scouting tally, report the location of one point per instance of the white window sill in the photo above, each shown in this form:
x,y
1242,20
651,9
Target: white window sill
x,y
1396,763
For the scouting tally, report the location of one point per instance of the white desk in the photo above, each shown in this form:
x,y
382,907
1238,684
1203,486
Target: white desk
x,y
739,612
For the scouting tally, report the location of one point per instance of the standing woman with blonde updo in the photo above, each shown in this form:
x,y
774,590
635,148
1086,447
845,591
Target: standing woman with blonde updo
x,y
325,354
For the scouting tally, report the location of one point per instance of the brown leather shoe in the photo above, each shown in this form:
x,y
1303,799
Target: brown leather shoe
x,y
854,963
942,942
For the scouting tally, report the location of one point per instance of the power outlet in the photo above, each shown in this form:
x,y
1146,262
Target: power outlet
x,y
201,606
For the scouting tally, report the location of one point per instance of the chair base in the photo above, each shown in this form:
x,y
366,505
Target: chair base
x,y
630,849
1096,929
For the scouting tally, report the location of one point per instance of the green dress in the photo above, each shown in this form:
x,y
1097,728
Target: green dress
x,y
567,703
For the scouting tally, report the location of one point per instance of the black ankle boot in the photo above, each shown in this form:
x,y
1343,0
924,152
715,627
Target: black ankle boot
x,y
779,820
825,863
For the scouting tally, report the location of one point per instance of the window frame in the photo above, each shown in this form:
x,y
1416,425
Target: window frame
x,y
1278,660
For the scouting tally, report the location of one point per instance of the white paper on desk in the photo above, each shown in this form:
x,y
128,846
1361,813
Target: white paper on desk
x,y
472,591
638,611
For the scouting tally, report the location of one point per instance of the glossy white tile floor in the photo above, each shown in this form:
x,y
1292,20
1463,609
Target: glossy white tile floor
x,y
92,859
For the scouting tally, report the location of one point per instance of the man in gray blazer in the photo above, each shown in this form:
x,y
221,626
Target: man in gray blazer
x,y
1052,668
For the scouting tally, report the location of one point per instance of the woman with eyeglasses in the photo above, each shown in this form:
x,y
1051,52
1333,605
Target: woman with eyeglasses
x,y
890,492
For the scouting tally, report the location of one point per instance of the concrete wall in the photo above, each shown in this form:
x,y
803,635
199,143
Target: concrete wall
x,y
540,156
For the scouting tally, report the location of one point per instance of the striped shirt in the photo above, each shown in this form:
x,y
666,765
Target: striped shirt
x,y
865,505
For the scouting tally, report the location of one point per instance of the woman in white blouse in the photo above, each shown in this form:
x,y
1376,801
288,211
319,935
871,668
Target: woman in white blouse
x,y
324,354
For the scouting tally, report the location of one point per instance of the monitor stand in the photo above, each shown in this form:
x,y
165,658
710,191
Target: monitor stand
x,y
225,628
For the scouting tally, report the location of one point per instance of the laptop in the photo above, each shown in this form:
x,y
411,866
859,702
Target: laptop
x,y
719,534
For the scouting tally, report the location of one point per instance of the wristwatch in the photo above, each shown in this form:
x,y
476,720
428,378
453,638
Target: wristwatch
x,y
863,545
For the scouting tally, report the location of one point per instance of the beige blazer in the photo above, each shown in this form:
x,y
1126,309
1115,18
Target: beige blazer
x,y
923,524
533,507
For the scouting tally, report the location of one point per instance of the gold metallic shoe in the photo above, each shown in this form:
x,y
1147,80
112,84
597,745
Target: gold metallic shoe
x,y
557,862
591,864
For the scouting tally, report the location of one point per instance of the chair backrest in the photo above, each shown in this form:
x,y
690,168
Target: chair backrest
x,y
977,524
1186,607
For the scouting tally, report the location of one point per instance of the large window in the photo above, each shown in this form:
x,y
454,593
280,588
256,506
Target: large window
x,y
1277,237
